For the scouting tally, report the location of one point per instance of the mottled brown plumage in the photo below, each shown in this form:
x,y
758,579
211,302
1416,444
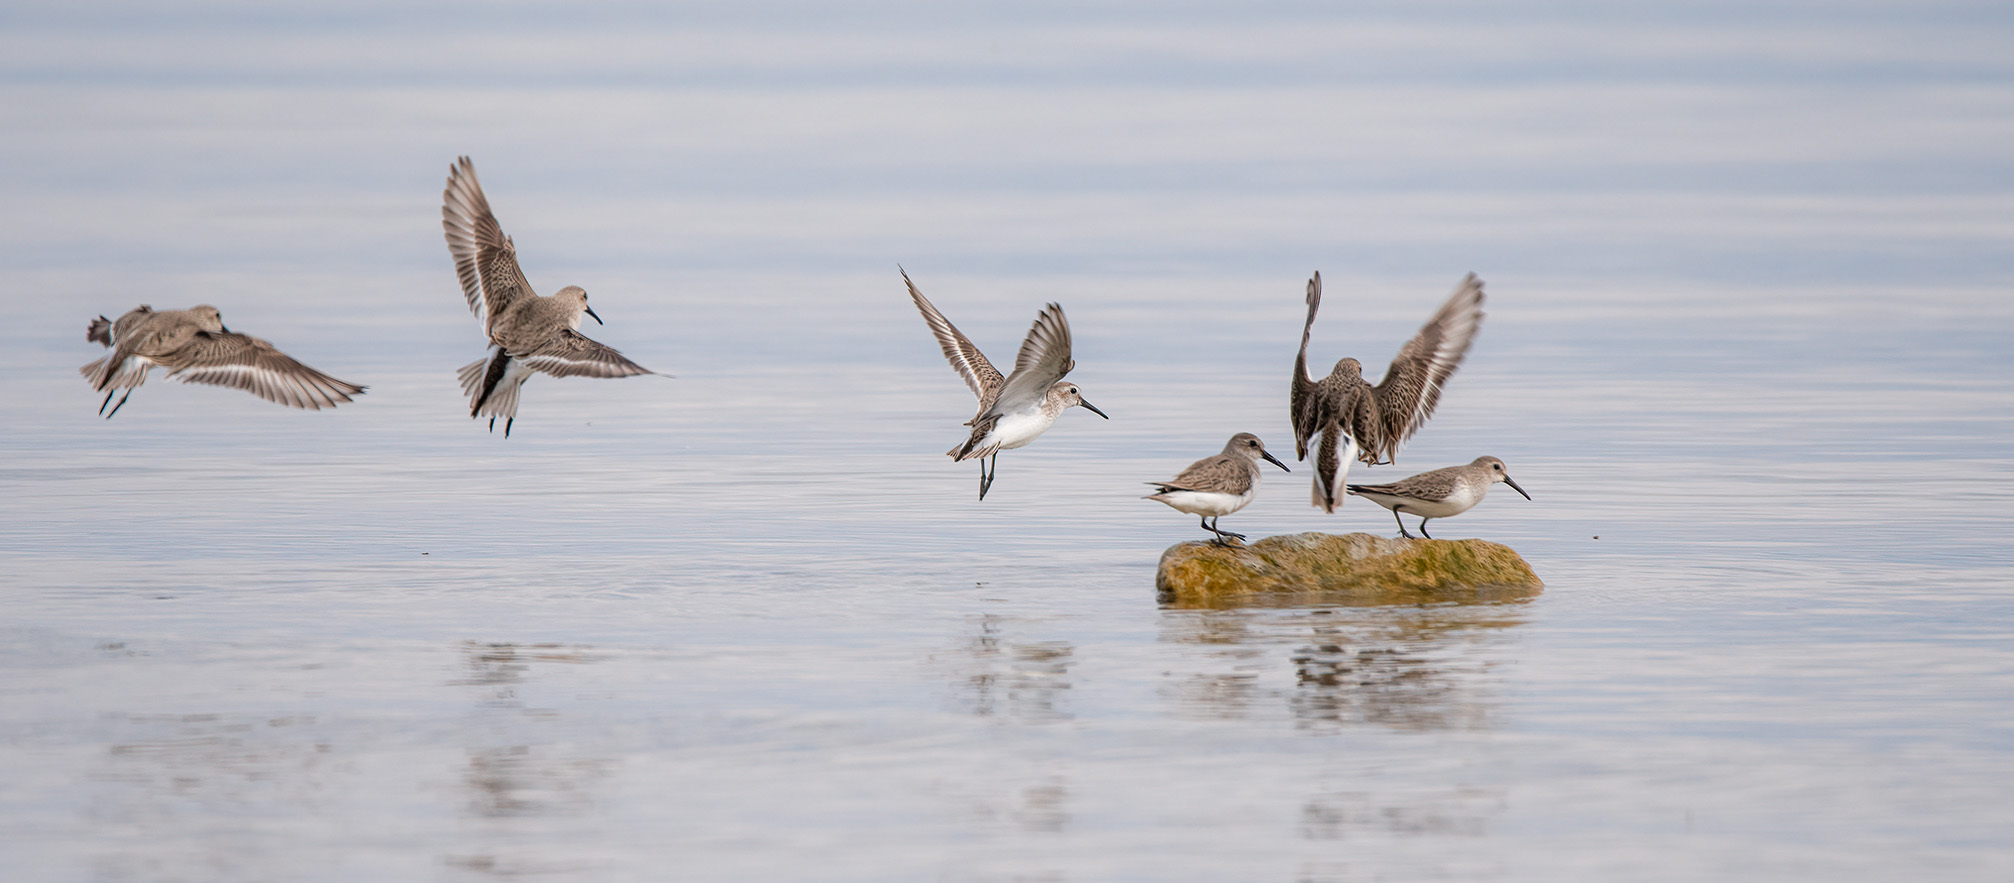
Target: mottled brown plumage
x,y
1359,421
527,332
1214,487
1017,408
1441,493
195,347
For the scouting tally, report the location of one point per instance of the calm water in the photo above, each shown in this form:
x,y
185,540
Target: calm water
x,y
1747,347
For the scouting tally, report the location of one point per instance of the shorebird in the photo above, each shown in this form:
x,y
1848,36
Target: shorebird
x,y
195,347
1368,422
1442,493
527,332
1214,487
1013,410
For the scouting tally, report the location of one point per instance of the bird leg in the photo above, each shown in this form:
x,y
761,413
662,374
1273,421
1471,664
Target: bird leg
x,y
121,404
507,422
108,399
986,475
1423,528
1402,525
1221,534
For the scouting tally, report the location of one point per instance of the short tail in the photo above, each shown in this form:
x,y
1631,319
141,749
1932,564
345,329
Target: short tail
x,y
116,371
1331,467
492,384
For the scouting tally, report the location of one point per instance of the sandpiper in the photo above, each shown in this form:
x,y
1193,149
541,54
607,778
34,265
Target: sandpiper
x,y
1368,422
195,347
1214,487
1016,409
1442,493
527,332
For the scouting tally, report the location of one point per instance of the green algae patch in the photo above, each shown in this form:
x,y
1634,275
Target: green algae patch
x,y
1351,570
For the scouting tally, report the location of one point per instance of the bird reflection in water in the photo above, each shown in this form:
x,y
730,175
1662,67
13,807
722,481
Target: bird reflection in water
x,y
1024,681
1011,682
531,768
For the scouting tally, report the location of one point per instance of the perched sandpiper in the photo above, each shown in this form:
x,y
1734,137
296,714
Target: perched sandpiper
x,y
1368,422
195,347
1016,409
1442,493
527,332
1214,487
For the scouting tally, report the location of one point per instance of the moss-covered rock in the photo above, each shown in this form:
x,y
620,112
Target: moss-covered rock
x,y
1352,570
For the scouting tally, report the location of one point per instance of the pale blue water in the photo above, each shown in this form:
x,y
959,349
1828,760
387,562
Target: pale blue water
x,y
1747,346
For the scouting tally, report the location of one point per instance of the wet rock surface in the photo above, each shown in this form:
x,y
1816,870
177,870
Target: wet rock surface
x,y
1356,569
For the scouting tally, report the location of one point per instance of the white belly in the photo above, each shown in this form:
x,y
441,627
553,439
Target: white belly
x,y
1019,428
1464,498
1206,504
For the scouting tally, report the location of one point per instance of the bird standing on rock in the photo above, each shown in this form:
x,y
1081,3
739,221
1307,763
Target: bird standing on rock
x,y
1442,493
1214,487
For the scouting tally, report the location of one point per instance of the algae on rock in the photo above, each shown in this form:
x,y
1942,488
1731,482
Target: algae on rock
x,y
1353,570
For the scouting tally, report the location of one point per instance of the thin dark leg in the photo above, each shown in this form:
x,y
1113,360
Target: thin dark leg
x,y
122,402
108,399
1402,525
986,474
493,424
507,422
1209,524
1423,528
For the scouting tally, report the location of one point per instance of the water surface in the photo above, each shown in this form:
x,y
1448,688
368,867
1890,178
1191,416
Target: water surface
x,y
1746,347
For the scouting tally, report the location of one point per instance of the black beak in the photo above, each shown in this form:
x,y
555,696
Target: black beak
x,y
1271,459
1513,484
590,312
1091,407
227,328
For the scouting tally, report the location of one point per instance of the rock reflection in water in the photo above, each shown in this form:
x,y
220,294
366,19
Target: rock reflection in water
x,y
1413,668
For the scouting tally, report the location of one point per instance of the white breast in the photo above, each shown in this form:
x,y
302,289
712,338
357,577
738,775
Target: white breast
x,y
1021,427
1204,503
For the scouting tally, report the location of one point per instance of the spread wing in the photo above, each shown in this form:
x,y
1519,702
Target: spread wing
x,y
1412,386
224,358
1307,407
1043,360
571,354
980,376
485,260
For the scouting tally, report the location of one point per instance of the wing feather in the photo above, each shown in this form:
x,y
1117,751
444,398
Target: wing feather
x,y
485,259
1412,385
1306,405
572,354
244,362
979,374
1044,359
